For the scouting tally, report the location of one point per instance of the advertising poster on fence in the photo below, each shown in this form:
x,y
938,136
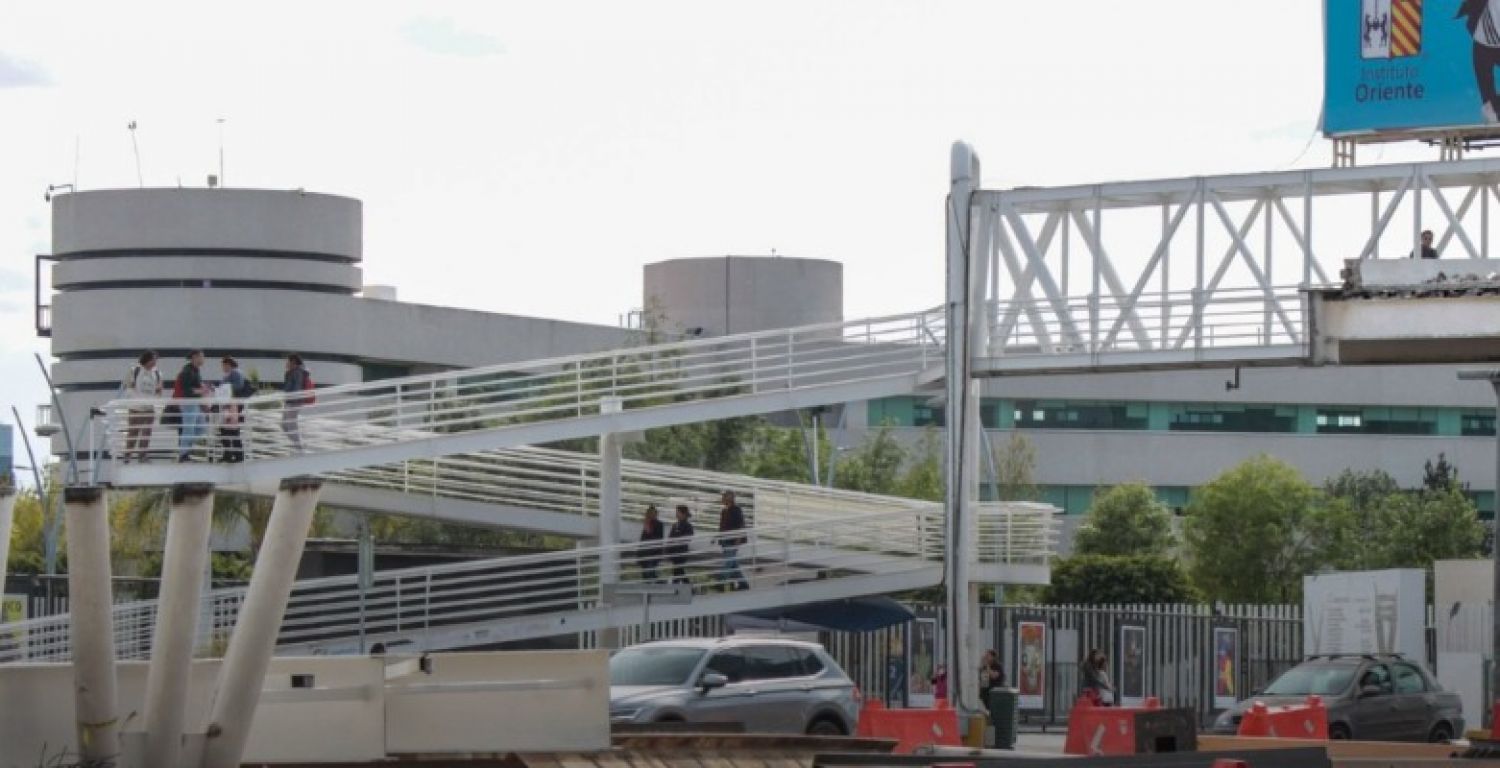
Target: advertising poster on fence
x,y
1131,691
921,664
1031,664
1226,659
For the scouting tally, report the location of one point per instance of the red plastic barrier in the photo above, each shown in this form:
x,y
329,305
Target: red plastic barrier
x,y
1294,721
911,728
1096,730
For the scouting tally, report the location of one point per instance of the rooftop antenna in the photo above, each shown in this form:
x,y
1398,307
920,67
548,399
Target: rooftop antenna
x,y
140,181
222,181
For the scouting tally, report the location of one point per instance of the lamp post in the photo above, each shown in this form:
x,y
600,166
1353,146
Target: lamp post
x,y
1493,377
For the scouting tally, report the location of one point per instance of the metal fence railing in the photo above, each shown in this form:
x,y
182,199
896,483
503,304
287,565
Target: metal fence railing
x,y
406,603
534,394
1177,320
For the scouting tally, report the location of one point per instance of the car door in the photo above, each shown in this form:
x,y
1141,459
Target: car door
x,y
729,703
1374,715
1414,702
778,703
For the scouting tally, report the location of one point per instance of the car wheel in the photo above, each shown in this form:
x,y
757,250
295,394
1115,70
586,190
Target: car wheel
x,y
1441,733
1339,731
825,727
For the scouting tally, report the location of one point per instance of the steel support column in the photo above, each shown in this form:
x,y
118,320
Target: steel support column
x,y
90,602
186,560
254,639
609,511
965,284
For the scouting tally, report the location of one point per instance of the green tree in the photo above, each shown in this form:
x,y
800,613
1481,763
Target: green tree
x,y
1126,520
923,476
1414,529
1015,469
27,534
1441,476
1255,530
874,466
714,445
1355,497
777,453
1112,579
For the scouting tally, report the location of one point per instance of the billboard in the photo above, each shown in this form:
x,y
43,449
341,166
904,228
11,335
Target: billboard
x,y
1362,612
1392,65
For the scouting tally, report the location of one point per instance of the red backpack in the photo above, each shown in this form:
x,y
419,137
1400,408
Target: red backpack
x,y
308,387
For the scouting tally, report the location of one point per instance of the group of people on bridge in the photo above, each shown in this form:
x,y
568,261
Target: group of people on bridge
x,y
193,403
658,543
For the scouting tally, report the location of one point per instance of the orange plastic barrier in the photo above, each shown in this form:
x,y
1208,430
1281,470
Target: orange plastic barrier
x,y
1294,721
1096,730
911,728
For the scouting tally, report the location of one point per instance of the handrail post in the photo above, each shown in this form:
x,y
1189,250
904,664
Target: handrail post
x,y
791,359
754,367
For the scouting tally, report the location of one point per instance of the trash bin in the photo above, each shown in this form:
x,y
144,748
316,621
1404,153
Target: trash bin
x,y
1003,709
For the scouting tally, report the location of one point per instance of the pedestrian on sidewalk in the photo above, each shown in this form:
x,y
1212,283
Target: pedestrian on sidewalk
x,y
1094,678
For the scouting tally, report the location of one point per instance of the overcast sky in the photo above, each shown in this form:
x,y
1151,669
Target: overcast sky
x,y
530,157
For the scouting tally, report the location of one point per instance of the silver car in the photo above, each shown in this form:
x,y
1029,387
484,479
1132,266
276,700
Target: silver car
x,y
770,685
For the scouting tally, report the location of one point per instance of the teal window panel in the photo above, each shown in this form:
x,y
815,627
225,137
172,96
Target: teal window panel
x,y
1476,423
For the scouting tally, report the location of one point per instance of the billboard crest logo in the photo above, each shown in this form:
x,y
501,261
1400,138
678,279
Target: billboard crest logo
x,y
1390,29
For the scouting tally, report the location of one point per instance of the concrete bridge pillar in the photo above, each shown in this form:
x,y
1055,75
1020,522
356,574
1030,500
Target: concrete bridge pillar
x,y
7,520
91,602
254,638
172,645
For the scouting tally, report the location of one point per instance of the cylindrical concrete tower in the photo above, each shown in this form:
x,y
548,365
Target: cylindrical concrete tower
x,y
737,294
244,272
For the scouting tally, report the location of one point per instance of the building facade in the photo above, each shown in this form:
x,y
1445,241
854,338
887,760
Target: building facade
x,y
254,274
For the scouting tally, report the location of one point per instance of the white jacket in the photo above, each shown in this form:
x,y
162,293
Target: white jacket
x,y
142,384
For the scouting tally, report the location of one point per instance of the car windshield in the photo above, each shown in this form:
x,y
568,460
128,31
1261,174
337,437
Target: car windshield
x,y
653,666
1320,679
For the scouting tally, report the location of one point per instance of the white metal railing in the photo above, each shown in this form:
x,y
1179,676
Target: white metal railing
x,y
1180,320
531,588
559,389
567,482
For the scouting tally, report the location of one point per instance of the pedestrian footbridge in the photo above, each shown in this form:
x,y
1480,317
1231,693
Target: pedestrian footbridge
x,y
894,545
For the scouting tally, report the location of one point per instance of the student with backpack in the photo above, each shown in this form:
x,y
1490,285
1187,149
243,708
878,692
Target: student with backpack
x,y
142,382
298,386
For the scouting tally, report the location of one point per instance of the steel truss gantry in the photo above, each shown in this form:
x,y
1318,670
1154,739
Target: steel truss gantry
x,y
1175,270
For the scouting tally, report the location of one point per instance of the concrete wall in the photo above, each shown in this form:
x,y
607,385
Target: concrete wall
x,y
737,294
1370,273
359,708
